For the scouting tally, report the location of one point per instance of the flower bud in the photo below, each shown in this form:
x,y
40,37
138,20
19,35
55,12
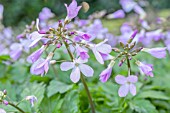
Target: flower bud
x,y
132,37
121,62
58,45
131,46
5,102
122,45
116,50
5,92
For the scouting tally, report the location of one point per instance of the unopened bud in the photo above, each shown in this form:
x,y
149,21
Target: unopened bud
x,y
65,29
121,62
5,92
139,49
132,45
134,54
132,37
116,50
121,44
5,102
58,45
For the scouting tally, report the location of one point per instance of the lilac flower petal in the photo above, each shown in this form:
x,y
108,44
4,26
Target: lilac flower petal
x,y
105,75
34,42
86,70
65,66
157,52
75,75
120,79
132,79
132,89
123,90
104,48
2,111
98,56
46,67
35,70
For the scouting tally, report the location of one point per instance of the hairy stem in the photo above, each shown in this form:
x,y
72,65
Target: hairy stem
x,y
82,79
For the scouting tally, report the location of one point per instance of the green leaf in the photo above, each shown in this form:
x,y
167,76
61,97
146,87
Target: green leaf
x,y
36,89
57,87
52,104
153,94
142,106
71,102
4,57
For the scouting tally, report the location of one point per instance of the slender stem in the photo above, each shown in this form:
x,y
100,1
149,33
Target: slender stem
x,y
129,67
88,94
82,79
19,109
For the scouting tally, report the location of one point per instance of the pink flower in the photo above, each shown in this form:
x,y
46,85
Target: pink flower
x,y
145,68
156,52
78,66
72,10
100,48
127,85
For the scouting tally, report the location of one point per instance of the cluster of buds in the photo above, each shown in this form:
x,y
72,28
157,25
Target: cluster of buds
x,y
3,95
127,53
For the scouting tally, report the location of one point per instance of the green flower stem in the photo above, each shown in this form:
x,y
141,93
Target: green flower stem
x,y
129,67
82,79
15,106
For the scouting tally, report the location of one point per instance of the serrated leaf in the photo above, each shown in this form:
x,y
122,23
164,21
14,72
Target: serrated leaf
x,y
36,89
153,94
52,104
142,106
71,102
57,87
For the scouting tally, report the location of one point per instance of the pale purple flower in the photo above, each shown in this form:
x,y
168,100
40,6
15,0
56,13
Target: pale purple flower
x,y
82,53
77,66
106,56
41,66
16,50
36,55
146,68
127,5
72,10
100,48
140,11
83,35
35,37
159,52
105,74
2,111
45,14
155,35
32,99
127,85
117,14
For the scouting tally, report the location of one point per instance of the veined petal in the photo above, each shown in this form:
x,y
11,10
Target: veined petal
x,y
86,70
34,42
75,75
65,66
120,79
98,56
132,79
132,88
104,48
123,90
